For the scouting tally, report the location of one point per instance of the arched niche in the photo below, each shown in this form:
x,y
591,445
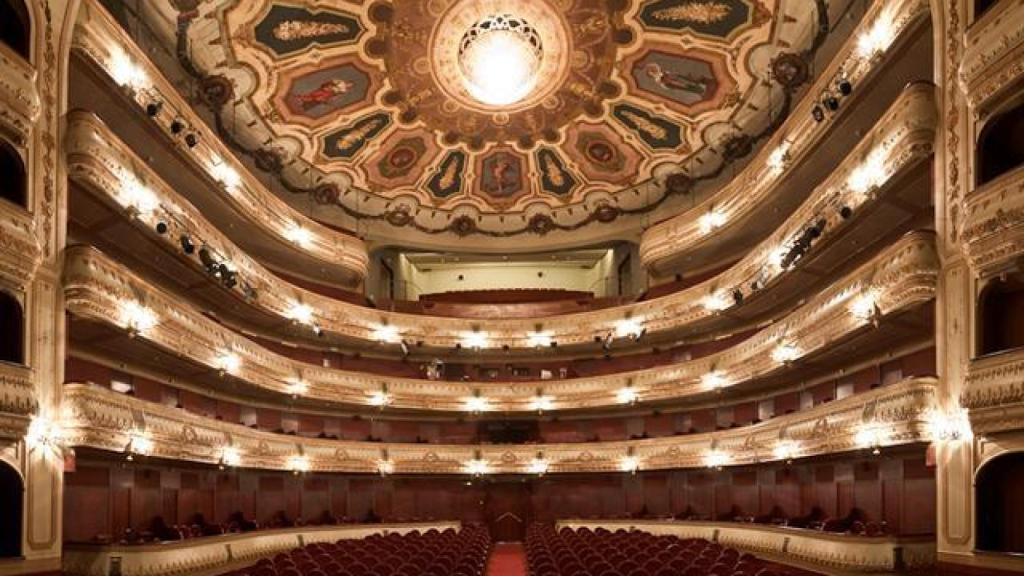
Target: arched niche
x,y
12,326
12,493
14,184
999,503
16,27
1001,315
1000,146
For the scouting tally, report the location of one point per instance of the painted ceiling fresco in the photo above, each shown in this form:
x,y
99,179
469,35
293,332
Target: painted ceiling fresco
x,y
354,103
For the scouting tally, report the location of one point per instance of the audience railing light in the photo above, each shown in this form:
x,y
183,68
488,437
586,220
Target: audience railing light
x,y
539,339
140,443
628,328
539,466
385,467
877,39
387,334
869,174
228,362
626,395
714,380
786,450
872,436
864,306
776,257
541,403
298,464
629,464
297,387
301,313
949,426
45,434
379,398
785,353
477,467
718,301
715,458
226,175
474,340
298,235
778,159
125,72
137,196
711,220
477,404
137,318
230,456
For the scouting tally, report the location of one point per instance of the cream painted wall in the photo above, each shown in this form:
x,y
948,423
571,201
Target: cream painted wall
x,y
503,276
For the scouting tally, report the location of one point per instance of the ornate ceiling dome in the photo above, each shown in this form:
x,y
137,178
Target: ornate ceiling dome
x,y
494,117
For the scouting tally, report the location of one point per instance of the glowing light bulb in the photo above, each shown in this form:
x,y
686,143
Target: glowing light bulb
x,y
711,221
379,399
626,395
713,380
864,306
477,467
298,464
44,433
539,339
786,450
297,387
499,60
786,353
298,235
629,464
138,196
878,38
541,403
716,458
870,174
226,175
230,456
138,318
539,466
228,362
386,333
301,313
474,340
126,72
477,404
628,327
141,444
718,301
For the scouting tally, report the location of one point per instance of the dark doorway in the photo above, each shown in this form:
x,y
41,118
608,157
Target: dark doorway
x,y
14,185
507,509
12,491
12,326
1000,504
15,26
1001,313
1001,145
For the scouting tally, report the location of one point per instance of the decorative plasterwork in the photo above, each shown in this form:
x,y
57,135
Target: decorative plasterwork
x,y
798,137
993,57
206,554
19,97
993,228
847,552
994,392
20,250
709,87
899,278
904,135
100,39
104,419
17,399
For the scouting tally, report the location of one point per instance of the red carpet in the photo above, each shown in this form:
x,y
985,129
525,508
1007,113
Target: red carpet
x,y
507,560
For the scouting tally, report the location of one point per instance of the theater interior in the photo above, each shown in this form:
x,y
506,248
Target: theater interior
x,y
511,287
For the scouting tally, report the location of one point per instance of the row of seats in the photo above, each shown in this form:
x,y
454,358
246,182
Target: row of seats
x,y
601,552
432,553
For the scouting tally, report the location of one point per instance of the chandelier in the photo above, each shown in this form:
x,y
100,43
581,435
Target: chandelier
x,y
499,58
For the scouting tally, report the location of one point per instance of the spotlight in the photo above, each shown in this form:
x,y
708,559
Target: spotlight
x,y
737,296
191,140
757,284
845,212
225,272
830,102
206,258
845,87
177,126
186,245
814,232
231,281
161,228
153,108
818,114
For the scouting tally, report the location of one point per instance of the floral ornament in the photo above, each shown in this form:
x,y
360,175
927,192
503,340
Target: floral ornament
x,y
605,212
462,226
737,147
540,224
678,183
326,194
790,70
216,91
268,160
399,216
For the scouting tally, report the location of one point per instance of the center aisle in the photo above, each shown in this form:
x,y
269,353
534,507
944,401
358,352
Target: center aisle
x,y
508,559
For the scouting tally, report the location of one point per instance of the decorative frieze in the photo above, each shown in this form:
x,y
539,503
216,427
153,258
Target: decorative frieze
x,y
901,277
20,250
104,419
993,58
994,392
993,233
19,98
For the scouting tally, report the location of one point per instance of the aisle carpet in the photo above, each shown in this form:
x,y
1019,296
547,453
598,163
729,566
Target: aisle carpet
x,y
507,560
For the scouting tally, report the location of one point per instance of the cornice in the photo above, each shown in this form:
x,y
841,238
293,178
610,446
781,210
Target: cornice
x,y
993,56
106,166
19,98
104,419
101,40
20,250
994,392
993,232
798,136
901,277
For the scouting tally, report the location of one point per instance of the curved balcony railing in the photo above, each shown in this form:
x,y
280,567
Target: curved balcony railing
x,y
993,228
898,279
103,419
993,58
19,98
993,394
793,141
902,139
100,40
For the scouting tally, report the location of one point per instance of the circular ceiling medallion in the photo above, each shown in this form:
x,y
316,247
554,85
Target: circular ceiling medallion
x,y
500,55
500,58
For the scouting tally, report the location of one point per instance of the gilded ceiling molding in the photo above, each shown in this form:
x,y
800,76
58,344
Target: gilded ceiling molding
x,y
889,416
795,139
993,58
993,228
19,97
102,41
647,104
994,392
846,552
901,277
903,137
